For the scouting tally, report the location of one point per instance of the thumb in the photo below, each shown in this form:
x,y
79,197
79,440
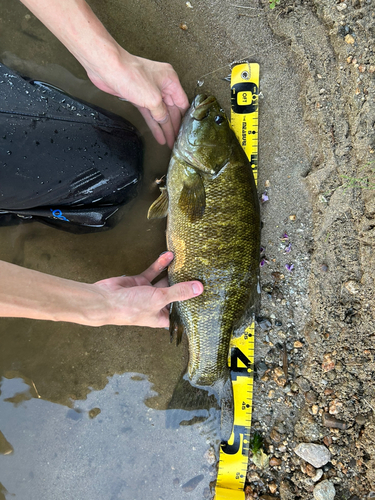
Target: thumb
x,y
183,291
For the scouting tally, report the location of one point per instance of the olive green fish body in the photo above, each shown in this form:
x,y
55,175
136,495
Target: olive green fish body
x,y
213,230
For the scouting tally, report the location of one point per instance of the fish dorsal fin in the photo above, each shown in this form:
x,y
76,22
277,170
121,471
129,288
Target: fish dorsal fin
x,y
192,200
159,208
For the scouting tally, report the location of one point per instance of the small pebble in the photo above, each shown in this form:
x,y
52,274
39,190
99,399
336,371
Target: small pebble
x,y
315,454
328,362
341,6
274,462
309,470
318,475
94,412
335,407
277,276
327,440
264,323
324,491
361,419
294,387
279,377
311,397
315,409
303,384
275,436
352,287
349,39
183,26
272,487
332,422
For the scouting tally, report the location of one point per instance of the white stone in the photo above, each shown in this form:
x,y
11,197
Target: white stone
x,y
324,491
315,454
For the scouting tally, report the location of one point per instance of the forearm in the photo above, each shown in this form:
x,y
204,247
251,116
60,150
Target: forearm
x,y
76,26
25,293
153,87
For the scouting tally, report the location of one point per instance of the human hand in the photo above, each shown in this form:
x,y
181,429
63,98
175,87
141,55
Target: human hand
x,y
153,87
133,300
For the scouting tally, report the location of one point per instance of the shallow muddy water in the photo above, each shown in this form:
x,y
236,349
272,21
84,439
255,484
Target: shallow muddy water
x,y
55,377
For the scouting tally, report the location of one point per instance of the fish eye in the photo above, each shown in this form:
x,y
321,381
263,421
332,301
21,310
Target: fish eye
x,y
219,119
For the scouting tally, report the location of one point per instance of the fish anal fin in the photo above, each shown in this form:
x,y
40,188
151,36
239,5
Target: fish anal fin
x,y
159,208
176,328
192,200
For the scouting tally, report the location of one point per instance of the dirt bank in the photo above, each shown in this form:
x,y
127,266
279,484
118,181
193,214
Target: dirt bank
x,y
329,395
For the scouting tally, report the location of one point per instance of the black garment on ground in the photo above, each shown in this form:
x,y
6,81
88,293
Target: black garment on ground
x,y
61,160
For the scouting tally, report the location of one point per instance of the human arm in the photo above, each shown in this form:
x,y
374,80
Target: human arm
x,y
125,300
152,86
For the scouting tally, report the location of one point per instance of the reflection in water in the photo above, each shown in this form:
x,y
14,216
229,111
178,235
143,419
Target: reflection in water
x,y
5,447
3,492
124,452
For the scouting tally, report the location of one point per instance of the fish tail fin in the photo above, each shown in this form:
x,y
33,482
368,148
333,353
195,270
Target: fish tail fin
x,y
190,404
189,397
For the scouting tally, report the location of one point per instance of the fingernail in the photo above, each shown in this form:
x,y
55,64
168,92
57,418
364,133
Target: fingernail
x,y
196,289
163,253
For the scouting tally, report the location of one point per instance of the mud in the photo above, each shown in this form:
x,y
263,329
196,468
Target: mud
x,y
316,162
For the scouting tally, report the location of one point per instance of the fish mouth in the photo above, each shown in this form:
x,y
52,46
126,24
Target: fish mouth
x,y
201,105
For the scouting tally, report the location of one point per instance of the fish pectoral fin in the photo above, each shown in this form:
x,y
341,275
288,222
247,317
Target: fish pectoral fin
x,y
159,208
176,328
192,200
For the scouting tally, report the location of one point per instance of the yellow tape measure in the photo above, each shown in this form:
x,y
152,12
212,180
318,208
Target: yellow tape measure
x,y
234,454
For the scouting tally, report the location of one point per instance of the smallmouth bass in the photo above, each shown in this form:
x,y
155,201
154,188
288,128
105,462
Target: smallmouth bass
x,y
213,229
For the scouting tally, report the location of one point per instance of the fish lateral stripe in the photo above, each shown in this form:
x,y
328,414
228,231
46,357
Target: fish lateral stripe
x,y
234,454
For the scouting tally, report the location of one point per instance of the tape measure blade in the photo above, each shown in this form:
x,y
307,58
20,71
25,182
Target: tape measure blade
x,y
225,494
234,454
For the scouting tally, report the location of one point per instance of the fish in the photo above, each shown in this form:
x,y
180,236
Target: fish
x,y
213,228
